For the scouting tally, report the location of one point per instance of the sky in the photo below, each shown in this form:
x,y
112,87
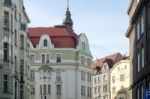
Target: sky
x,y
104,22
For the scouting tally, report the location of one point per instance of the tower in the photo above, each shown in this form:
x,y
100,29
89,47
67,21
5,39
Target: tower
x,y
67,22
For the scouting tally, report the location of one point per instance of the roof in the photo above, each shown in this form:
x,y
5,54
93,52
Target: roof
x,y
58,34
111,60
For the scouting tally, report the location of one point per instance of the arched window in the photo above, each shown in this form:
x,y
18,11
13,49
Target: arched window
x,y
83,46
45,43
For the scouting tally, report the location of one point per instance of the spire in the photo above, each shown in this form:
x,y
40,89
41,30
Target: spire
x,y
68,23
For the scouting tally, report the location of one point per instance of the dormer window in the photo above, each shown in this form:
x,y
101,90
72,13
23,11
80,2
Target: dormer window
x,y
83,46
45,43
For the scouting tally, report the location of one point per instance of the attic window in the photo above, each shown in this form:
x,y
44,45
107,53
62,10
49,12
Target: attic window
x,y
45,43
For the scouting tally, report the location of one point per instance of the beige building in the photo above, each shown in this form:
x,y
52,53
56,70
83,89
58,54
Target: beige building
x,y
120,80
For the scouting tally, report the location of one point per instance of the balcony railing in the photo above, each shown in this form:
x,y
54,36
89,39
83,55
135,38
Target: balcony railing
x,y
8,2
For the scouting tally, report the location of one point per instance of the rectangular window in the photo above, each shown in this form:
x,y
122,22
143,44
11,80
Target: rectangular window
x,y
58,90
47,58
5,88
6,51
83,90
44,89
31,58
95,90
83,75
15,38
138,93
43,58
21,41
49,89
21,66
99,90
82,60
140,27
138,61
58,58
41,90
142,57
6,20
122,78
88,77
89,62
32,90
105,89
32,74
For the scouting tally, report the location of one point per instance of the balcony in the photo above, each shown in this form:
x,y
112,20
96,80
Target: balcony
x,y
8,3
23,26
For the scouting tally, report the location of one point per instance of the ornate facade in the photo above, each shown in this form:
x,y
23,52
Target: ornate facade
x,y
14,45
60,62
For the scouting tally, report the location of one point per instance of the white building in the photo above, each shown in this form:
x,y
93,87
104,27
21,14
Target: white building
x,y
60,62
101,76
13,50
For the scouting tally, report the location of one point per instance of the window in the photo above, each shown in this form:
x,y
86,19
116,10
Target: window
x,y
99,80
49,89
6,20
83,75
6,51
105,78
82,60
58,75
95,81
44,89
89,92
140,27
41,90
99,89
21,41
138,93
105,88
45,43
83,46
88,77
88,61
32,90
142,57
31,58
122,78
113,90
15,38
5,88
113,79
138,61
83,90
32,74
58,90
45,58
8,2
58,58
11,22
21,66
95,90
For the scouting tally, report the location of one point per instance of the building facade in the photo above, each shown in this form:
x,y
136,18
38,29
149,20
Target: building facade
x,y
60,62
138,34
120,80
13,50
101,75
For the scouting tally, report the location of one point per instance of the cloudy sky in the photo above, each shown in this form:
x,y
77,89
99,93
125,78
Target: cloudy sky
x,y
103,21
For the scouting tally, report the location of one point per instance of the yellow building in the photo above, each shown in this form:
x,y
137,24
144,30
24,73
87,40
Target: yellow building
x,y
120,80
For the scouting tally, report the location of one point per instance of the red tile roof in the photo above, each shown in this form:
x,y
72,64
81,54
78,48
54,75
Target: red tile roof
x,y
60,36
114,58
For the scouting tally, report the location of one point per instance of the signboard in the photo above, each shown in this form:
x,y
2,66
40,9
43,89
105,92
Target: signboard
x,y
147,94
